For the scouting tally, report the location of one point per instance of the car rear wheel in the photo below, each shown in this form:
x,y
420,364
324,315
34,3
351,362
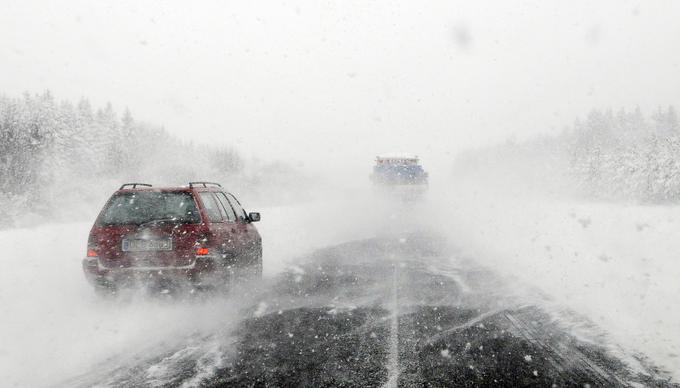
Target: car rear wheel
x,y
105,292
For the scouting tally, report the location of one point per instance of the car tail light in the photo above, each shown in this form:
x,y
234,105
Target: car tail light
x,y
201,244
92,250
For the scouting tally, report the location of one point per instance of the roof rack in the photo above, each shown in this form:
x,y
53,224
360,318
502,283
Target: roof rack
x,y
134,185
205,184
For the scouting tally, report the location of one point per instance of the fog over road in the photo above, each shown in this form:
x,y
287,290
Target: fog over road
x,y
395,310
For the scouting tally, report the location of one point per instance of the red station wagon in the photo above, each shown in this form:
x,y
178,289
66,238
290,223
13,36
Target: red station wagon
x,y
197,235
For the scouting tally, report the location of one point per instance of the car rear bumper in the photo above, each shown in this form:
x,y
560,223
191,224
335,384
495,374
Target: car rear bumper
x,y
203,271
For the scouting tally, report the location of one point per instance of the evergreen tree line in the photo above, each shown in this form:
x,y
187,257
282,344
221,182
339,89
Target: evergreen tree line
x,y
625,155
622,155
51,150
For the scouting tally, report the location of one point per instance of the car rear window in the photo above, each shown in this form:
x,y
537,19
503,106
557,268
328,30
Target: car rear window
x,y
148,206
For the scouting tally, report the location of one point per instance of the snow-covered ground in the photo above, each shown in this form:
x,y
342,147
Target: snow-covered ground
x,y
52,326
617,264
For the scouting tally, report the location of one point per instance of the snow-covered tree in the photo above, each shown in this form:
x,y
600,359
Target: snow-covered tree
x,y
47,149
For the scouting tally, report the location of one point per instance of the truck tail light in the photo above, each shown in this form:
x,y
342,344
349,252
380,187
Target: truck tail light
x,y
202,251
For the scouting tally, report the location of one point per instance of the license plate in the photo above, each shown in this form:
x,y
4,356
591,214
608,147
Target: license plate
x,y
136,245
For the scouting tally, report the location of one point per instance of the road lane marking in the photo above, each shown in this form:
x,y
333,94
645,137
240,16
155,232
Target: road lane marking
x,y
393,353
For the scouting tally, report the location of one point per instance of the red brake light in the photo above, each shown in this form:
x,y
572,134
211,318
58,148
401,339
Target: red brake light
x,y
92,253
202,251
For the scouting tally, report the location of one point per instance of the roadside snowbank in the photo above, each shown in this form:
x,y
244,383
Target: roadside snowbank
x,y
617,264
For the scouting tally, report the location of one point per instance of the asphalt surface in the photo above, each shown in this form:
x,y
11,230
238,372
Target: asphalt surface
x,y
392,311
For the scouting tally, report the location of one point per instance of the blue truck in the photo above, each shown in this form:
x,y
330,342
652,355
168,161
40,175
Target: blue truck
x,y
398,170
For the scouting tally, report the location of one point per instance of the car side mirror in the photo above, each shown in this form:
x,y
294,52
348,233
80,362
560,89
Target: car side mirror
x,y
254,217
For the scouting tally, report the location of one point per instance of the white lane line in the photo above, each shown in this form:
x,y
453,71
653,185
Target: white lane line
x,y
393,355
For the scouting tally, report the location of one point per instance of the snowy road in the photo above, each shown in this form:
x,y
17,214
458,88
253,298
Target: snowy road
x,y
384,311
384,302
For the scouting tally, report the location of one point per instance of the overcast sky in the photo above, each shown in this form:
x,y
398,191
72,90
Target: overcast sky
x,y
344,79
